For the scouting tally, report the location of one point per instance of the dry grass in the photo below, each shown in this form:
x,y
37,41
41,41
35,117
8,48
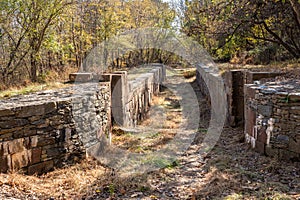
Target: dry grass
x,y
230,172
164,121
33,87
48,81
189,73
83,180
66,183
235,172
277,66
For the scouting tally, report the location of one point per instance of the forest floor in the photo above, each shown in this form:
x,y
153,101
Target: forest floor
x,y
231,170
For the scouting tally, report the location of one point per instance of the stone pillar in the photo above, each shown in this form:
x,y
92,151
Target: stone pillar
x,y
119,90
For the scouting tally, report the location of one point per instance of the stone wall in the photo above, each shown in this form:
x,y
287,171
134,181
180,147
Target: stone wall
x,y
132,93
47,129
272,118
212,86
234,81
234,86
141,90
44,130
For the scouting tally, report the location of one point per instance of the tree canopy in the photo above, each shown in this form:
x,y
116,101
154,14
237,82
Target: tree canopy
x,y
38,35
227,28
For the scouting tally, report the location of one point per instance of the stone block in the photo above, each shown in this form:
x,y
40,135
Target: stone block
x,y
11,130
16,146
3,148
45,141
294,97
265,110
295,111
29,132
81,77
249,92
4,164
55,120
13,123
50,107
261,75
20,159
54,152
250,120
34,118
6,137
35,156
262,136
41,168
32,110
34,141
26,143
283,138
6,112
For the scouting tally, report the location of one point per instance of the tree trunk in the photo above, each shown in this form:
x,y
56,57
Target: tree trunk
x,y
33,69
296,7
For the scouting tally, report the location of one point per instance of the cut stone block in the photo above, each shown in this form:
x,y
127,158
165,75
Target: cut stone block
x,y
81,77
20,159
40,168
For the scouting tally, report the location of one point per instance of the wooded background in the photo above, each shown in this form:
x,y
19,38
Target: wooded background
x,y
37,36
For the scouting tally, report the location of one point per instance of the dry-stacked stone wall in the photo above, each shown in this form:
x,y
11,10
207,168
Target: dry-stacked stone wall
x,y
44,130
272,118
48,129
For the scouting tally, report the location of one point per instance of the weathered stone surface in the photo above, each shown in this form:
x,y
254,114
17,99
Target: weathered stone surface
x,y
16,146
20,159
42,141
4,148
277,116
34,110
4,164
250,120
13,123
40,130
35,155
294,97
6,112
265,110
40,168
34,141
262,136
81,77
253,76
50,107
283,138
54,152
11,130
